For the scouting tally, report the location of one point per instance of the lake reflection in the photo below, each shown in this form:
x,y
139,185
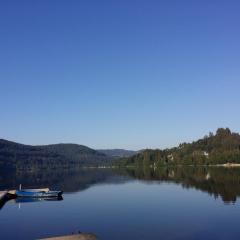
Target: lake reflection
x,y
217,181
127,204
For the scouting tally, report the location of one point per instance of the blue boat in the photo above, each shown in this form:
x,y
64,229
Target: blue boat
x,y
36,199
38,193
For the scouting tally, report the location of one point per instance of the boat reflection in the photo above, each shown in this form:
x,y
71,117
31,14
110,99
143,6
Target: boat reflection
x,y
22,200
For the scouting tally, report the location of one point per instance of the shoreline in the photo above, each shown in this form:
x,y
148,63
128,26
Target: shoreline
x,y
226,165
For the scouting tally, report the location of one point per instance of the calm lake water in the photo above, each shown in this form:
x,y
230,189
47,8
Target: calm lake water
x,y
173,203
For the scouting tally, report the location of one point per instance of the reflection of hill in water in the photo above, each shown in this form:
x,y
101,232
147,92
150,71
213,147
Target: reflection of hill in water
x,y
216,181
68,180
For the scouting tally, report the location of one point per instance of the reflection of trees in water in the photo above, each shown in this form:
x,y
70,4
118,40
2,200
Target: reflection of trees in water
x,y
217,181
68,180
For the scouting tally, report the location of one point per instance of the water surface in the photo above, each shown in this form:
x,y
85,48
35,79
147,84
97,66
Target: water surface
x,y
167,203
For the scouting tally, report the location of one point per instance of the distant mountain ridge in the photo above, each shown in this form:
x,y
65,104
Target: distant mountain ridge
x,y
19,156
117,153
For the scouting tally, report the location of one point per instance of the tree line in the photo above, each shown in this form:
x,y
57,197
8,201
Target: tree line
x,y
219,148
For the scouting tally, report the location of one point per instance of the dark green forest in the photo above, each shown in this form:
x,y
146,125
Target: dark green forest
x,y
18,156
219,148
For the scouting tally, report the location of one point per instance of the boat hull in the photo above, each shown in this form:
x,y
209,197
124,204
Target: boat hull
x,y
38,194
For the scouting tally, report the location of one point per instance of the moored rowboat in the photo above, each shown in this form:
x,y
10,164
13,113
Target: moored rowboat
x,y
38,194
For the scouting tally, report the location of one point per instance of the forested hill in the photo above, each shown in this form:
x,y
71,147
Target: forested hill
x,y
19,156
219,148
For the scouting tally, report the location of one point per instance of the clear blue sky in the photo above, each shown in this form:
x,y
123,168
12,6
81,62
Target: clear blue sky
x,y
118,74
